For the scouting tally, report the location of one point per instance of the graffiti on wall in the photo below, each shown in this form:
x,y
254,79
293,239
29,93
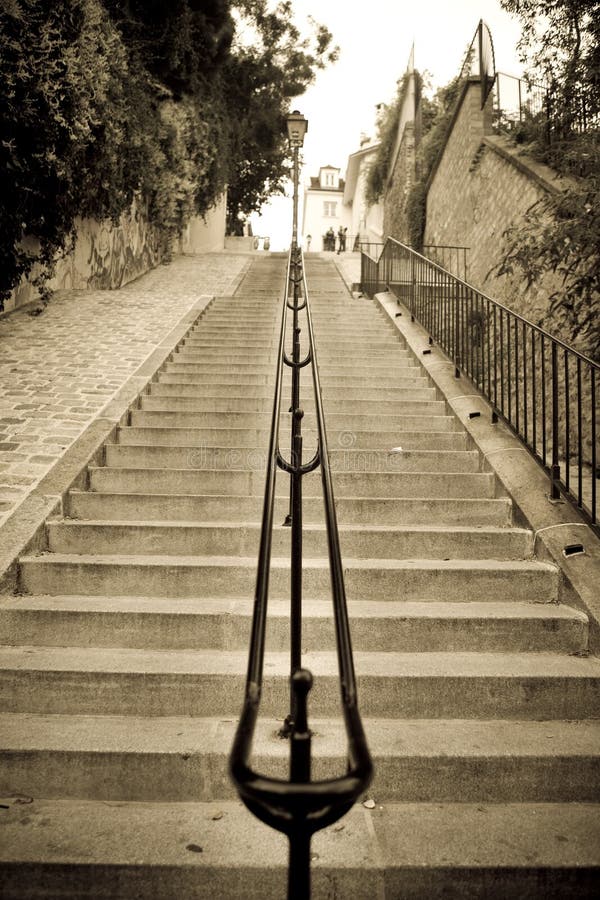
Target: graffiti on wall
x,y
118,254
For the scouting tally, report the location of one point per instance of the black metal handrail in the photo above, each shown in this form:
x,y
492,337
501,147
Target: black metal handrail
x,y
545,390
299,807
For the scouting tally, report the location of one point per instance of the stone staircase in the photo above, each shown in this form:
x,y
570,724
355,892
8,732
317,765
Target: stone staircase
x,y
124,655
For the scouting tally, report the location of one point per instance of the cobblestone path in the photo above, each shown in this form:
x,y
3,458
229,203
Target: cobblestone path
x,y
58,370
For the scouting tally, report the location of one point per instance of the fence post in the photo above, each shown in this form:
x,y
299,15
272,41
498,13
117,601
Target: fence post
x,y
555,467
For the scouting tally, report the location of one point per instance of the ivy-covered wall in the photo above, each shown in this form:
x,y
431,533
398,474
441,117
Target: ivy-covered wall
x,y
395,219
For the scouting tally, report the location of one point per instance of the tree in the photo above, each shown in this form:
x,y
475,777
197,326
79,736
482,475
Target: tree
x,y
561,234
262,76
140,98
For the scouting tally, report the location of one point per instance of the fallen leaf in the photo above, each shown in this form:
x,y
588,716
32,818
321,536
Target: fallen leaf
x,y
195,848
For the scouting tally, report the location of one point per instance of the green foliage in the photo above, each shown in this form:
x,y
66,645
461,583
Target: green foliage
x,y
436,113
388,120
104,100
262,76
561,233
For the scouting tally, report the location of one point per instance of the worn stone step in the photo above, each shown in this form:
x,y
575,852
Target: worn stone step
x,y
343,348
220,378
221,622
115,681
347,405
189,539
206,850
184,759
345,439
347,484
127,454
170,388
121,505
336,421
241,340
400,366
217,576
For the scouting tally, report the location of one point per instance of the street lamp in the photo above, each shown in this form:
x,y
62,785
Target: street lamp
x,y
297,126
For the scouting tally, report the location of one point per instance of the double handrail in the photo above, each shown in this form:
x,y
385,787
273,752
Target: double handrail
x,y
298,806
545,390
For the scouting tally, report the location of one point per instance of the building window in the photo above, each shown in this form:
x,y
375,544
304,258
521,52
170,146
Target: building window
x,y
329,209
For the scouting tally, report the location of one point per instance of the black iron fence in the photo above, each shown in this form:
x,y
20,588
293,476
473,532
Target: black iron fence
x,y
450,257
534,111
299,806
546,391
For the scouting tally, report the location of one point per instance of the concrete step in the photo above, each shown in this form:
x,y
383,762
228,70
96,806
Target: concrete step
x,y
221,622
220,378
259,437
242,340
225,576
357,348
400,366
167,759
407,626
411,391
336,421
122,506
115,681
372,385
347,484
204,850
342,406
129,455
189,539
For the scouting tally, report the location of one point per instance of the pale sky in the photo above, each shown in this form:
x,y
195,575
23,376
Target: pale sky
x,y
375,38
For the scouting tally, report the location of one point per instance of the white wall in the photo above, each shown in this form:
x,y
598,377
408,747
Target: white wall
x,y
316,223
208,234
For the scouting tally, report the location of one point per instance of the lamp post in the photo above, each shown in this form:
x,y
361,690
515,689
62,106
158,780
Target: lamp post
x,y
297,126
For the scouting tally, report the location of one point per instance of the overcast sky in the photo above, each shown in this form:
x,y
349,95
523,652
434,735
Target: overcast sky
x,y
375,38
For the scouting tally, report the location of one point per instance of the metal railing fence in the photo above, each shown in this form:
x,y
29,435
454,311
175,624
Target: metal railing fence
x,y
545,390
299,806
548,116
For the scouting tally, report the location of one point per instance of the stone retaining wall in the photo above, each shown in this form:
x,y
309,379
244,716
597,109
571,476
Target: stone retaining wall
x,y
107,256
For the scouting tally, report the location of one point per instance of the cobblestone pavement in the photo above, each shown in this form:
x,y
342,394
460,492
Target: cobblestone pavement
x,y
57,371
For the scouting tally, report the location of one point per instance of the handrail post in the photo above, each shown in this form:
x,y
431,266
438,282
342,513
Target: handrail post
x,y
294,517
300,750
457,334
555,467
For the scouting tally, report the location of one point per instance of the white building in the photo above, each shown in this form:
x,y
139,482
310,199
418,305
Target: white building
x,y
366,222
324,208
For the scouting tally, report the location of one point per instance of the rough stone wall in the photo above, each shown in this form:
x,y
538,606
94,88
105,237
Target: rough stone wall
x,y
482,187
395,222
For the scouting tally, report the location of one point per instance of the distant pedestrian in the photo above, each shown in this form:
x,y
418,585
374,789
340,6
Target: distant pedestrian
x,y
342,239
308,240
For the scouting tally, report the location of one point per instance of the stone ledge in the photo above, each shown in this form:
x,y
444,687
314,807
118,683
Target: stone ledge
x,y
555,524
543,176
24,529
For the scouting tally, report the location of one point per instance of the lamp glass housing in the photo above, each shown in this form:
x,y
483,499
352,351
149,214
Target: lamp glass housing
x,y
297,126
